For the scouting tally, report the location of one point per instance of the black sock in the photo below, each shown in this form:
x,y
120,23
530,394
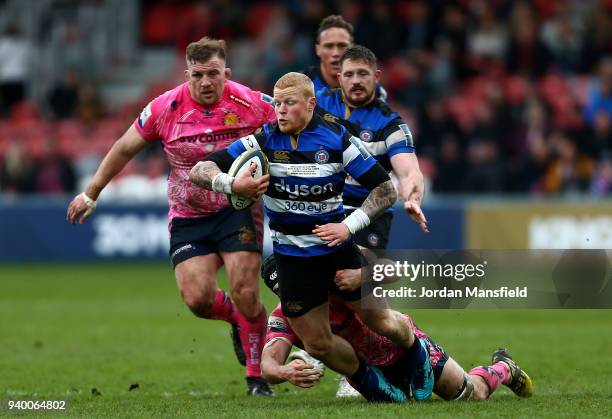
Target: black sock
x,y
415,355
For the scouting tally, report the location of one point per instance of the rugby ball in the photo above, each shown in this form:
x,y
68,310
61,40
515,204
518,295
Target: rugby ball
x,y
242,164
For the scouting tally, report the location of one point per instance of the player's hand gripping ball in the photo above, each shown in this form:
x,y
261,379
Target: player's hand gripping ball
x,y
241,165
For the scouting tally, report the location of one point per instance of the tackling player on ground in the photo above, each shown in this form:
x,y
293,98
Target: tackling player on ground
x,y
309,159
451,381
193,120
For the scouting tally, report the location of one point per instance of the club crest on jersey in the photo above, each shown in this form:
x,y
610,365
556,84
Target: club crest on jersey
x,y
366,135
231,119
322,156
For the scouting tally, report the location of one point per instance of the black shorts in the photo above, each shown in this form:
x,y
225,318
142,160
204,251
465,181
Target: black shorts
x,y
376,235
225,231
305,283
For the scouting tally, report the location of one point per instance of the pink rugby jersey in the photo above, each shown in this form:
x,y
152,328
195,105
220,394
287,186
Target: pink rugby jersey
x,y
369,346
190,131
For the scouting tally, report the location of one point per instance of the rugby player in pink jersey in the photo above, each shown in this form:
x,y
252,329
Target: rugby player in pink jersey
x,y
451,381
203,115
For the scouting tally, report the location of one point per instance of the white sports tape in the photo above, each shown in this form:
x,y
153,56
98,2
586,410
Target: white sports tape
x,y
222,183
356,221
91,204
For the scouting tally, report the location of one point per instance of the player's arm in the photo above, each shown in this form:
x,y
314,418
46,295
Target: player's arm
x,y
405,165
411,186
122,151
274,370
211,173
364,168
351,279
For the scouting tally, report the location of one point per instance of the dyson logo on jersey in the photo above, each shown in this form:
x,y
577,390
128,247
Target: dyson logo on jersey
x,y
295,191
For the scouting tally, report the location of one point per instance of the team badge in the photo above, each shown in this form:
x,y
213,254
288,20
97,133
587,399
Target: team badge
x,y
321,156
373,239
246,235
231,119
366,135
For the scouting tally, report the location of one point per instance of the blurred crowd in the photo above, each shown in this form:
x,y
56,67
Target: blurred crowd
x,y
502,96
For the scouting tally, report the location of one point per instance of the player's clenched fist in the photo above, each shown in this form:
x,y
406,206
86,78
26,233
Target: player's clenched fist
x,y
81,206
248,186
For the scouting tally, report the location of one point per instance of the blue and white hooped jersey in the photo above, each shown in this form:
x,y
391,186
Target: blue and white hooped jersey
x,y
306,182
382,132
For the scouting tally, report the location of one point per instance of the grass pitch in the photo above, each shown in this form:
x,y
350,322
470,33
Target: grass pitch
x,y
66,330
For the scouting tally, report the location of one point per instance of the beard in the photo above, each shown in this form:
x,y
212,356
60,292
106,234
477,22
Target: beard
x,y
361,100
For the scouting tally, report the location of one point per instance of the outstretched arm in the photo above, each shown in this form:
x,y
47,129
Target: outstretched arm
x,y
297,372
122,151
411,186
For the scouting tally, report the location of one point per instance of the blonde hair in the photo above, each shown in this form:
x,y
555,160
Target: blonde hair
x,y
299,80
204,49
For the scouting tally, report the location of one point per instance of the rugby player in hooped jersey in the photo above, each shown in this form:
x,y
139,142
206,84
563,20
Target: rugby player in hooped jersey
x,y
309,159
387,137
198,117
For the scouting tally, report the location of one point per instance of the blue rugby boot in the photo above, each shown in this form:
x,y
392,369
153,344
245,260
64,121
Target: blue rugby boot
x,y
376,388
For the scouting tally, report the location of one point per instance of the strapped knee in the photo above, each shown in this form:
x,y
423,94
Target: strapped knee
x,y
466,390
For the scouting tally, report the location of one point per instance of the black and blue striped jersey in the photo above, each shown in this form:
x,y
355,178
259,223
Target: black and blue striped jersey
x,y
307,180
382,132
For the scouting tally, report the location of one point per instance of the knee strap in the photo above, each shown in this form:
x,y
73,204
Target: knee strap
x,y
466,390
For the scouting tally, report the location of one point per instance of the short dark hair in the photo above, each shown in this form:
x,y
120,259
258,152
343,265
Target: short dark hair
x,y
359,52
204,49
334,21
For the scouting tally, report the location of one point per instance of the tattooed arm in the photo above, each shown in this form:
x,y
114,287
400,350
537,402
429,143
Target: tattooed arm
x,y
382,195
203,173
379,199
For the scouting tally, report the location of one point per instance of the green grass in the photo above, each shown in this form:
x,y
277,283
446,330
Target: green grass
x,y
65,329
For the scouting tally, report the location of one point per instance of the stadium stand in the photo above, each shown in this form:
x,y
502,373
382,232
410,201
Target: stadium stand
x,y
502,96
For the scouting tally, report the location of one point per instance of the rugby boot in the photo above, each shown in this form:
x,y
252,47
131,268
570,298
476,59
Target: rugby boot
x,y
345,389
422,381
520,383
258,387
376,388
